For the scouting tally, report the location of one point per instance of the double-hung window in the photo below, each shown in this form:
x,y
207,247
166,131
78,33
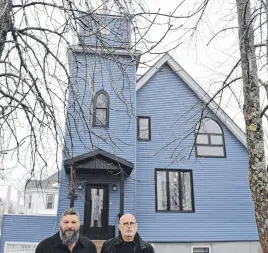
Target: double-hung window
x,y
50,201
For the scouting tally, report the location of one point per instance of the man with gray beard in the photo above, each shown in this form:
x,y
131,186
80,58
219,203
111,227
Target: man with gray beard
x,y
68,238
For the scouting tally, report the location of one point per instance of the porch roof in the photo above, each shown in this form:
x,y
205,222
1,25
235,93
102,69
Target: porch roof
x,y
100,162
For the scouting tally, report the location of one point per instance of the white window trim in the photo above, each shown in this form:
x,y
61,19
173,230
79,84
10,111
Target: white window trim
x,y
201,246
148,118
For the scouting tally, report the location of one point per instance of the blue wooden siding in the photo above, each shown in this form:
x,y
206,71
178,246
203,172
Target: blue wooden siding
x,y
24,228
117,76
223,204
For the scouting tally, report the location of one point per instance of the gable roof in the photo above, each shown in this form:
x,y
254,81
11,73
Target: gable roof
x,y
199,91
99,161
43,184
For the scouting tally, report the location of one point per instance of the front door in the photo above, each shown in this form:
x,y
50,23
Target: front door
x,y
96,211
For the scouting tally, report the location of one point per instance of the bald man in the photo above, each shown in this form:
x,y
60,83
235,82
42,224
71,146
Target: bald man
x,y
128,241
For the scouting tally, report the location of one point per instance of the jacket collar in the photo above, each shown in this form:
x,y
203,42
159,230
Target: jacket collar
x,y
137,239
57,240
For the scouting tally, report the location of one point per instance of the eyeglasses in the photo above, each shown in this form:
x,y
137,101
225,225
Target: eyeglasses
x,y
128,224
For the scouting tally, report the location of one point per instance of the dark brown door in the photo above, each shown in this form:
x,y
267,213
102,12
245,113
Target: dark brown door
x,y
96,211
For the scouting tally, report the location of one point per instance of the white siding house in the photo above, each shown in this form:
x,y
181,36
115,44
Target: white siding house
x,y
41,196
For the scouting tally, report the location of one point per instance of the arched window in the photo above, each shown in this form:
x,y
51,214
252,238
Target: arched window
x,y
101,109
209,139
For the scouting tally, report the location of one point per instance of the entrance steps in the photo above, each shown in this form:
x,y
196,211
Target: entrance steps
x,y
98,244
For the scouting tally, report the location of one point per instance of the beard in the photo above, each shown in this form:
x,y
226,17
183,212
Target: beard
x,y
69,239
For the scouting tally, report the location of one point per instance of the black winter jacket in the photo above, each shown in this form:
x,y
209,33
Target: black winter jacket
x,y
110,245
53,245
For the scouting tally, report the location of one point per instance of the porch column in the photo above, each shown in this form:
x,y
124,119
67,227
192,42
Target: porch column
x,y
72,185
122,184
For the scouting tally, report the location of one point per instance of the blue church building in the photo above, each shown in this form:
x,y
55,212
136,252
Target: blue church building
x,y
155,146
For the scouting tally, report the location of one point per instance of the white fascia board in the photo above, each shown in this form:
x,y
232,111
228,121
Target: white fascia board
x,y
148,75
101,50
134,54
231,125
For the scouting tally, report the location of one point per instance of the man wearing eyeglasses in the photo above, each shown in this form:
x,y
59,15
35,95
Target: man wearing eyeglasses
x,y
128,241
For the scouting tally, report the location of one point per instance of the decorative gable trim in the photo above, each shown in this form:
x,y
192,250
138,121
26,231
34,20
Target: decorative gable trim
x,y
214,107
99,161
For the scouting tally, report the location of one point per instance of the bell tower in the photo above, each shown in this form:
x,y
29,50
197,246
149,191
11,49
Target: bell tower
x,y
103,29
103,69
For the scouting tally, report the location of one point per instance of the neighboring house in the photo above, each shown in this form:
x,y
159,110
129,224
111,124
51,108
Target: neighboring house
x,y
2,205
41,196
189,204
1,211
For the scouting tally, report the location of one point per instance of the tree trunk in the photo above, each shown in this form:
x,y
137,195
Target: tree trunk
x,y
252,113
5,22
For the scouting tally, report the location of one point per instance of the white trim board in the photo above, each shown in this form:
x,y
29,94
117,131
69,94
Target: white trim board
x,y
167,59
22,243
108,50
7,243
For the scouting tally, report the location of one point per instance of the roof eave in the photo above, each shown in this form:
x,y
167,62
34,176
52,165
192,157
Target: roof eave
x,y
166,58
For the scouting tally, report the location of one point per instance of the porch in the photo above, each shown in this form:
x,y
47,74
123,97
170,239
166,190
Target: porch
x,y
97,181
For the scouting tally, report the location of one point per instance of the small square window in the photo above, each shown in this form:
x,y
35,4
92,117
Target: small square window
x,y
216,140
144,128
201,249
